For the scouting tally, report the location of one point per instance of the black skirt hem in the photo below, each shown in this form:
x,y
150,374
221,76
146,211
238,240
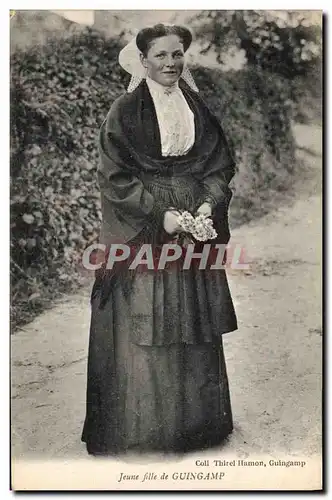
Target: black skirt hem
x,y
186,444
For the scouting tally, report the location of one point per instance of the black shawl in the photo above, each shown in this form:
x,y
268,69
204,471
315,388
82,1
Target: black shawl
x,y
130,154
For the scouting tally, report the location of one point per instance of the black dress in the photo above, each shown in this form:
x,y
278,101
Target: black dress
x,y
156,369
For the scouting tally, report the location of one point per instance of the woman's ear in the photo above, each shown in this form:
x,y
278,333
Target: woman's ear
x,y
143,60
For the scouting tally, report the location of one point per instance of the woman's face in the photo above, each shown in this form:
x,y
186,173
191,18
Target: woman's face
x,y
164,60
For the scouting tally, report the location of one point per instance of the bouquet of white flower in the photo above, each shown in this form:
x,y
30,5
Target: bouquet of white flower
x,y
199,227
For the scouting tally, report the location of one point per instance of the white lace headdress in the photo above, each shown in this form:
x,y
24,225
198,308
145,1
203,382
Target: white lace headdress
x,y
129,59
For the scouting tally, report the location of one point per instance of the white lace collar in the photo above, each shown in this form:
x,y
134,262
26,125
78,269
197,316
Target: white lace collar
x,y
157,88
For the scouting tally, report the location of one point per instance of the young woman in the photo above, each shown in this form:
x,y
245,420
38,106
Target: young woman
x,y
156,370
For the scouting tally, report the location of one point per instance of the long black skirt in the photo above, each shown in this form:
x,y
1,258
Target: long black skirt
x,y
167,396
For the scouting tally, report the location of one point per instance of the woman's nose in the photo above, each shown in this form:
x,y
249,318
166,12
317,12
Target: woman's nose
x,y
170,61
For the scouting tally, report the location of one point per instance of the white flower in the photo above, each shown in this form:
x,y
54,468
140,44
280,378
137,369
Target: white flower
x,y
204,229
186,221
200,227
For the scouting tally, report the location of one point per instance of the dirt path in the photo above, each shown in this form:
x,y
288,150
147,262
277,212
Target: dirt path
x,y
274,359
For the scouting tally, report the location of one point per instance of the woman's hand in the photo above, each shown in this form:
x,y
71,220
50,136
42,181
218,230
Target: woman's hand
x,y
205,209
171,224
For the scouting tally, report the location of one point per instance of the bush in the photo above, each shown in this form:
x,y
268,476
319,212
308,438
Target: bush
x,y
256,115
287,44
283,42
60,95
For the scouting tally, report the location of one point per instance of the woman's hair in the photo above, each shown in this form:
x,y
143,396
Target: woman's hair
x,y
147,35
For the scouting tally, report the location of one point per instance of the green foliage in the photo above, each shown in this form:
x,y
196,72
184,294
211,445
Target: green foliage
x,y
60,95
